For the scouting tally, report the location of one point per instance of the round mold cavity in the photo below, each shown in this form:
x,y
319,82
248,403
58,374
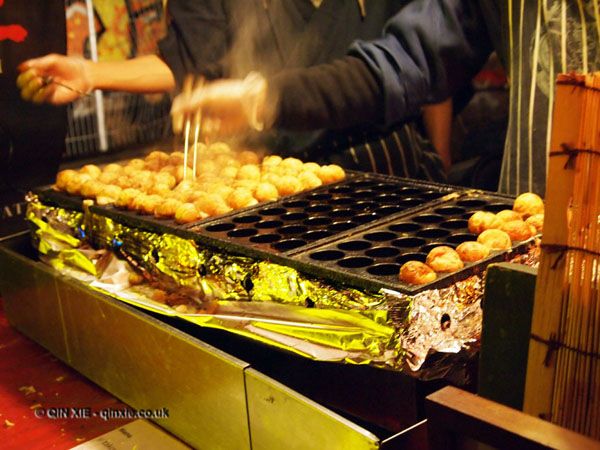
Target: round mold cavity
x,y
382,252
247,219
265,238
364,206
384,270
459,238
380,236
340,190
388,210
414,256
363,193
431,195
272,211
355,262
293,216
471,203
450,210
292,229
317,221
365,218
427,248
319,196
408,191
354,246
404,227
327,255
428,218
337,227
316,234
497,207
220,227
342,213
288,244
263,224
341,201
318,208
242,232
433,233
409,202
361,184
409,242
384,187
388,198
454,224
296,204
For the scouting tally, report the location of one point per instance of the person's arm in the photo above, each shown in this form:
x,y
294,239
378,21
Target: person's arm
x,y
437,119
61,79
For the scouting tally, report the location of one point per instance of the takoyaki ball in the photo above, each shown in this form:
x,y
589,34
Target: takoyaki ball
x,y
113,167
415,272
288,184
224,160
109,177
309,180
110,190
126,198
529,204
63,177
160,189
444,259
136,163
166,179
472,251
187,213
142,180
518,230
228,172
185,185
265,192
270,161
123,181
248,172
537,221
182,196
92,170
222,190
311,167
181,175
241,198
102,200
483,220
331,173
219,147
148,203
166,209
270,177
168,169
153,165
292,166
176,159
495,239
210,204
75,182
91,188
246,184
206,166
248,157
508,215
157,155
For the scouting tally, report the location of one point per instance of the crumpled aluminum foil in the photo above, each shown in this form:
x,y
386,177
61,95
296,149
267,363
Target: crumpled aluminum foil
x,y
267,302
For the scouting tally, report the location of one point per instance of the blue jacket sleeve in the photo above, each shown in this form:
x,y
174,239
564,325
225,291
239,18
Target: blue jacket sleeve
x,y
428,50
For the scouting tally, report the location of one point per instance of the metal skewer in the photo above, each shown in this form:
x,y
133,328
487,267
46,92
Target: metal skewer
x,y
48,80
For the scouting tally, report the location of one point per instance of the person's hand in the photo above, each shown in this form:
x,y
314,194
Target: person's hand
x,y
54,79
223,107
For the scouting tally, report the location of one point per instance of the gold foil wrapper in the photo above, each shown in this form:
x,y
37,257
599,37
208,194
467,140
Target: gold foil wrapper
x,y
420,334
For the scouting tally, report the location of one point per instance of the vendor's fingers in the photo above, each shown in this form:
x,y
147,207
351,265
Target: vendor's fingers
x,y
24,78
29,90
40,64
43,94
177,116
